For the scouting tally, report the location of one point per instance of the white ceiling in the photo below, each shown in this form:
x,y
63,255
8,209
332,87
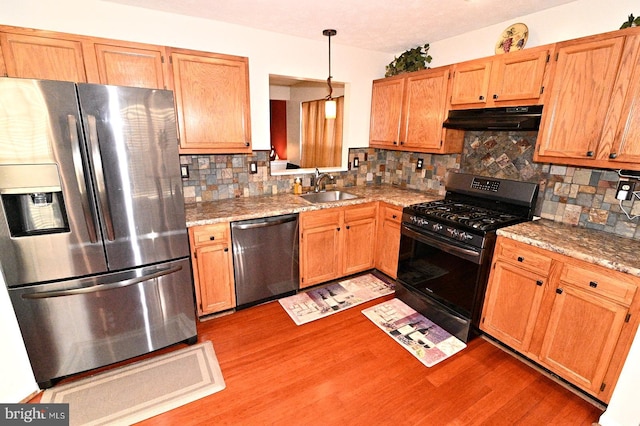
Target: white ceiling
x,y
383,25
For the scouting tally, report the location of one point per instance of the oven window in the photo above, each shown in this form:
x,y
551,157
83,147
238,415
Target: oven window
x,y
449,279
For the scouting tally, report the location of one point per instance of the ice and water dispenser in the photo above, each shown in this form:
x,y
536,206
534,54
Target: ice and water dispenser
x,y
32,199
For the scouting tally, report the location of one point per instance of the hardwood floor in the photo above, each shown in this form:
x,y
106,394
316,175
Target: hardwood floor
x,y
344,370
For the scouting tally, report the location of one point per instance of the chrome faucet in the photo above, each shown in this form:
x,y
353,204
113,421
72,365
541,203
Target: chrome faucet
x,y
319,178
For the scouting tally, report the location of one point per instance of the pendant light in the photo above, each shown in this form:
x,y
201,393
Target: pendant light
x,y
330,102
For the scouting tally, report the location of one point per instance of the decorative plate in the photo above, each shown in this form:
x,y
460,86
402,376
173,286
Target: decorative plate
x,y
513,38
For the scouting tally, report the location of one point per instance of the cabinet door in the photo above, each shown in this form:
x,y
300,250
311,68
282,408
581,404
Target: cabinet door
x,y
512,304
44,58
131,66
215,278
388,239
424,110
212,99
386,111
582,78
320,247
518,76
471,83
625,145
359,239
581,336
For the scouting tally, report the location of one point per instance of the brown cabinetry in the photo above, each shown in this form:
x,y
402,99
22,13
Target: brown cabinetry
x,y
129,64
583,75
388,238
43,56
336,242
212,117
212,263
515,78
574,318
211,90
407,113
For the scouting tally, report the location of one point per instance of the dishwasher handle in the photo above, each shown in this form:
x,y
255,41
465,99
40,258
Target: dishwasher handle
x,y
266,222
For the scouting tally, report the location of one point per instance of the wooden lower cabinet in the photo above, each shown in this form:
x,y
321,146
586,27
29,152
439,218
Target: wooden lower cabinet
x,y
336,242
572,317
388,238
212,262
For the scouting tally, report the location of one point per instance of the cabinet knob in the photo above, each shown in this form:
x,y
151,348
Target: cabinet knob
x,y
559,290
481,98
247,144
495,96
226,249
211,238
520,259
593,284
394,216
395,143
348,227
613,155
589,153
338,229
539,283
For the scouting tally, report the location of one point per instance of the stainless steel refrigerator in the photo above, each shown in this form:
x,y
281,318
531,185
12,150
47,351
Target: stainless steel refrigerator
x,y
93,241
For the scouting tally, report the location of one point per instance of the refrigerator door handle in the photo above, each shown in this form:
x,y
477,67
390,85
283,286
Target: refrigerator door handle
x,y
103,287
90,214
99,173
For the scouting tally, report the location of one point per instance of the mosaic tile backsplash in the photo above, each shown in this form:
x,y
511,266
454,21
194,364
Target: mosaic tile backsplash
x,y
577,196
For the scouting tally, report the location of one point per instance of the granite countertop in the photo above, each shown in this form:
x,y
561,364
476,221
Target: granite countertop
x,y
597,247
210,212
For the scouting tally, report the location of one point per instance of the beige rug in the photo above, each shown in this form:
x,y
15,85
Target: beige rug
x,y
141,390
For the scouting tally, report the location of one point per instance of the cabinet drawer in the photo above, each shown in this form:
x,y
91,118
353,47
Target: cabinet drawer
x,y
322,217
523,255
391,213
366,211
207,234
601,281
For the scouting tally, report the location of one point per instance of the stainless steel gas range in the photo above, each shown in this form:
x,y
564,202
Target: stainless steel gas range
x,y
446,247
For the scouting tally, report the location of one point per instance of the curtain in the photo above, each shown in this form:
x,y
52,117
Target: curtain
x,y
321,137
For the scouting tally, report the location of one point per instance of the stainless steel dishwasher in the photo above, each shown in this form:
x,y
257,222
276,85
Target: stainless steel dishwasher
x,y
265,258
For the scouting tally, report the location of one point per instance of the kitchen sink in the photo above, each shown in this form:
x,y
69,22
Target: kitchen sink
x,y
328,196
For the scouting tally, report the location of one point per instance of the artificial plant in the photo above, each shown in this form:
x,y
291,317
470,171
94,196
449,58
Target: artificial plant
x,y
411,60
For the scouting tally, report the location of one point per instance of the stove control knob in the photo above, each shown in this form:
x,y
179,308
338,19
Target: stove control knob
x,y
453,232
436,227
464,236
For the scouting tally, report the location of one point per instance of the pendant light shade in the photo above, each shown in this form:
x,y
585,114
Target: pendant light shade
x,y
330,103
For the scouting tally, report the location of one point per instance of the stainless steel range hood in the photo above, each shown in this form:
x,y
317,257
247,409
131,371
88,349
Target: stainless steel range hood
x,y
504,118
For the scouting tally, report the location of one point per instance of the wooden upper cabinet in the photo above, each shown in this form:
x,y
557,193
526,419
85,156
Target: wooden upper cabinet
x,y
511,79
471,82
425,109
132,65
620,144
519,76
407,113
583,76
212,97
47,58
386,111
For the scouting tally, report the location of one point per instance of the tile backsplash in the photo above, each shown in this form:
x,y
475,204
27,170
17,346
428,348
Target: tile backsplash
x,y
577,196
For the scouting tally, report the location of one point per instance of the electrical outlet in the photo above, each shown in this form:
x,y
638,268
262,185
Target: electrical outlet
x,y
625,190
356,163
419,164
184,171
253,167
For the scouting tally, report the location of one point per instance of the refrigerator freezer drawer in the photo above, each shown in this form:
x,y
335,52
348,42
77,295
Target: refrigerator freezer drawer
x,y
74,326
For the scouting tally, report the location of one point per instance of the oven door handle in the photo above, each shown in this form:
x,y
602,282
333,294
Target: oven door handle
x,y
468,254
